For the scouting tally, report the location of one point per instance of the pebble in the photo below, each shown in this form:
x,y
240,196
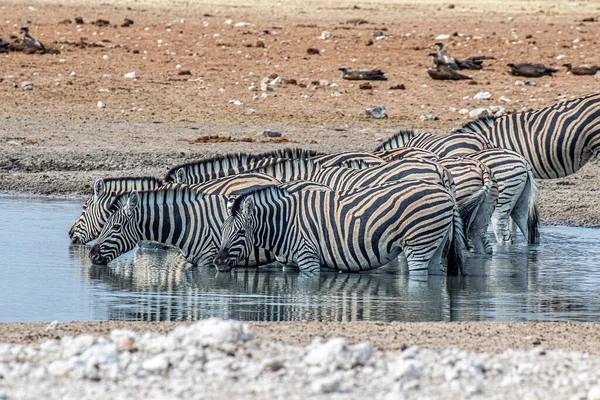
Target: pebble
x,y
101,105
479,113
442,36
597,75
463,111
525,83
428,117
326,385
236,102
243,24
251,111
272,134
27,85
131,75
336,94
504,99
377,112
52,326
325,35
483,96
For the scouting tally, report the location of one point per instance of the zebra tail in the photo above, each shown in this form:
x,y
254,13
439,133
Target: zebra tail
x,y
470,206
533,218
457,245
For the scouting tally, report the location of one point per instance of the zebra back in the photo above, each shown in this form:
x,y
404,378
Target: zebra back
x,y
403,152
400,139
216,167
349,159
235,183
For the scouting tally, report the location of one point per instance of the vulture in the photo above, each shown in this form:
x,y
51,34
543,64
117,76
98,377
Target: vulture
x,y
28,44
442,57
582,70
530,70
363,74
445,73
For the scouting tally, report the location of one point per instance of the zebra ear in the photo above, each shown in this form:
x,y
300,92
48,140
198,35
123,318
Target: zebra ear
x,y
99,187
180,175
133,202
230,204
248,207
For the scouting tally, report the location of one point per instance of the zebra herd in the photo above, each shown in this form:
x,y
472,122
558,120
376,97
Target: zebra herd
x,y
427,196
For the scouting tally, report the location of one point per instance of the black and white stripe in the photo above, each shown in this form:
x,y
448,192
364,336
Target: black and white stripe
x,y
354,231
556,141
96,208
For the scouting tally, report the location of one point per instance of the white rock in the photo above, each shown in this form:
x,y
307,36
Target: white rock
x,y
52,326
406,368
105,57
252,88
597,76
525,83
483,96
442,36
256,97
27,85
251,111
336,353
504,99
463,111
276,81
213,331
336,94
236,102
158,364
101,104
594,393
242,24
264,95
229,21
267,88
479,113
560,57
73,73
428,117
377,112
327,384
305,97
131,75
325,35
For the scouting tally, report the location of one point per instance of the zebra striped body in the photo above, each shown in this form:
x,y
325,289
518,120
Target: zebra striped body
x,y
556,141
341,178
234,183
354,231
230,164
476,198
444,146
348,159
403,152
518,193
96,208
177,216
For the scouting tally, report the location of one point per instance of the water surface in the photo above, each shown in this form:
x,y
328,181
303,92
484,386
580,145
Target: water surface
x,y
43,278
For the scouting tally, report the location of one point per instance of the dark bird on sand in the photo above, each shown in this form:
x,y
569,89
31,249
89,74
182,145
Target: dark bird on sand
x,y
27,44
363,74
445,73
582,70
442,57
530,70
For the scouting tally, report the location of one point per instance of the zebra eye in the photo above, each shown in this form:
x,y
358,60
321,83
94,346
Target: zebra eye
x,y
116,227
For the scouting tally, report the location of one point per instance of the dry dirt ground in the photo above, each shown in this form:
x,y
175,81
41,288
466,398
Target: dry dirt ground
x,y
55,139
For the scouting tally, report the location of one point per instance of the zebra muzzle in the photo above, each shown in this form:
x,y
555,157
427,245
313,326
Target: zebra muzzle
x,y
222,261
96,257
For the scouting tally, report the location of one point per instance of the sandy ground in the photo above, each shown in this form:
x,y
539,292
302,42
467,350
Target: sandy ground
x,y
55,140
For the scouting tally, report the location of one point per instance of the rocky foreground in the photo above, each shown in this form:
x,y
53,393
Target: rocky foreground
x,y
220,359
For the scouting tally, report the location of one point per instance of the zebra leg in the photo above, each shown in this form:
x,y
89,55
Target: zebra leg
x,y
477,232
500,224
419,266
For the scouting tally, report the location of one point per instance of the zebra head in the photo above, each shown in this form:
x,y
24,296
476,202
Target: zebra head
x,y
121,232
93,215
236,234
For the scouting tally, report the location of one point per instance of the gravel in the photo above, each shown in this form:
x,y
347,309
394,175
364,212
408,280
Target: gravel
x,y
220,359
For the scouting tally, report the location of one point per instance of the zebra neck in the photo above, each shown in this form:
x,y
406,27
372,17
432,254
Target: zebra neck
x,y
276,225
286,170
181,223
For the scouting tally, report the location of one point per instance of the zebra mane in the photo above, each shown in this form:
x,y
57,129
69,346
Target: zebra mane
x,y
127,184
398,140
236,199
236,159
175,190
479,125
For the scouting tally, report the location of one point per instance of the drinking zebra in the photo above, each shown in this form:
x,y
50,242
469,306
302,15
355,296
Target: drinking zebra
x,y
557,140
95,210
354,231
408,151
230,164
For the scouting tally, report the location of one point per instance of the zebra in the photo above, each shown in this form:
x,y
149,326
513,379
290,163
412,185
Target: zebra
x,y
95,210
476,197
348,159
403,152
457,144
355,231
518,193
556,141
230,164
187,217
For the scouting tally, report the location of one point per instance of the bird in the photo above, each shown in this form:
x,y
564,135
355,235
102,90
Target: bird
x,y
582,70
28,43
445,73
442,57
3,46
363,74
530,70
